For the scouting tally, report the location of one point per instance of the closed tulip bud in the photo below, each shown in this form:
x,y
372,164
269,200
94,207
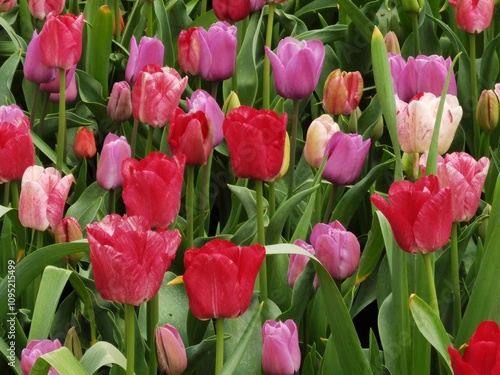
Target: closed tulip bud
x,y
35,349
280,348
413,6
33,68
377,130
149,51
122,24
352,127
203,101
85,143
392,43
342,92
473,16
232,101
483,227
69,230
120,102
109,168
217,51
318,134
72,342
188,46
40,8
487,111
6,5
231,10
172,359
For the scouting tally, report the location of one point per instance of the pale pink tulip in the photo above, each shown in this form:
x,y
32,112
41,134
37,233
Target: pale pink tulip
x,y
172,359
318,134
40,8
497,90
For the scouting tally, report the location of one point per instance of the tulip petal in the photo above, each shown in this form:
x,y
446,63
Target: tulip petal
x,y
274,347
33,206
460,367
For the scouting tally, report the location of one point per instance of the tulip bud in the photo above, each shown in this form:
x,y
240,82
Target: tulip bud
x,y
189,51
69,230
298,262
487,111
84,143
342,92
6,5
172,359
318,135
483,227
114,151
353,121
72,342
392,43
413,6
286,161
231,102
122,24
120,102
377,130
280,347
411,166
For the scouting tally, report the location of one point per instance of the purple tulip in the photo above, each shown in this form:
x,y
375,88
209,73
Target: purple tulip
x,y
298,262
33,68
296,67
172,359
336,248
202,101
217,51
35,349
346,156
9,113
256,5
149,51
420,74
109,169
52,87
120,102
280,348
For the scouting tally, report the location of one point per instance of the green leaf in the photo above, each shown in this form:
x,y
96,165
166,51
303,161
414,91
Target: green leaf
x,y
371,252
86,207
47,151
102,354
360,20
5,353
7,71
61,359
375,360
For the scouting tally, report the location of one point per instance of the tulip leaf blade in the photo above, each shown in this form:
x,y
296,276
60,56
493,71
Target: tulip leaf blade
x,y
489,65
4,350
102,354
61,359
86,207
371,252
7,71
47,151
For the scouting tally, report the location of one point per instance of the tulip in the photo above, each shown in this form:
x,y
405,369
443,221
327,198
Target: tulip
x,y
286,161
128,259
109,168
40,8
465,177
188,46
296,67
202,101
473,16
481,355
217,51
256,141
120,102
413,6
6,5
52,87
69,230
61,40
232,101
256,5
172,359
231,10
346,156
420,214
220,278
416,119
33,68
85,143
487,111
497,90
16,145
420,74
280,348
156,94
149,51
336,248
43,196
318,134
342,92
191,134
298,262
35,349
152,187
392,43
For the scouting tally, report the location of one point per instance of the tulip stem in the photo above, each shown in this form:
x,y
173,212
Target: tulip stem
x,y
219,345
6,194
61,130
261,238
14,194
129,337
149,30
36,95
133,142
204,195
189,205
416,36
272,199
473,90
293,146
267,63
455,266
215,86
329,206
149,141
203,9
111,196
153,313
118,29
430,280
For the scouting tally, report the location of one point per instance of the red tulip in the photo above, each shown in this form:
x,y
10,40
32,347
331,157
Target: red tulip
x,y
152,187
256,142
231,10
473,16
342,93
482,355
220,278
188,45
156,94
191,134
61,40
128,259
16,146
85,143
420,214
40,8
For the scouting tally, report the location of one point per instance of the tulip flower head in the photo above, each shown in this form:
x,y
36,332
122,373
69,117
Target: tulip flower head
x,y
69,230
392,43
172,359
231,10
256,5
497,90
202,101
128,259
342,92
420,214
33,68
298,262
149,51
487,111
473,16
40,8
188,45
109,168
120,102
35,349
6,5
280,348
220,278
53,86
295,59
318,134
85,143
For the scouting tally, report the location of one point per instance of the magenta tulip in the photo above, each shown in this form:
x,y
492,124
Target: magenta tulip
x,y
149,51
296,66
202,101
128,259
473,16
280,348
40,8
172,359
256,5
33,68
109,168
120,102
35,349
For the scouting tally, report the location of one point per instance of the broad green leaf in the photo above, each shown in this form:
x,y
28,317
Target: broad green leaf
x,y
7,71
6,354
489,65
247,198
363,24
102,354
371,252
86,207
165,34
375,354
61,359
47,151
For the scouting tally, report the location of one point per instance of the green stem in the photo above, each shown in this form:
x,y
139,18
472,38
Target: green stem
x,y
153,314
42,115
261,237
36,95
215,86
318,207
133,142
203,197
6,194
73,7
266,93
149,31
14,194
473,89
329,206
149,141
111,196
189,205
455,266
118,29
219,345
61,130
130,337
486,144
272,199
293,147
416,36
430,281
203,9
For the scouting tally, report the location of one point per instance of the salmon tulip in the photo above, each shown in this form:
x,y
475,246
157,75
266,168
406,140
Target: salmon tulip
x,y
342,92
85,143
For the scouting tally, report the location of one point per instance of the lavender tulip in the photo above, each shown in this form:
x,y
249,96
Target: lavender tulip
x,y
35,349
296,67
33,68
298,262
202,101
172,359
280,348
52,87
109,169
149,51
120,102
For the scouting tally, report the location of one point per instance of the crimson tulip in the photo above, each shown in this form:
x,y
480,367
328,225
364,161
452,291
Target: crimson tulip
x,y
280,348
109,168
152,187
420,214
172,359
231,10
61,40
35,349
318,134
220,278
191,134
17,151
217,51
473,16
294,59
6,5
40,8
149,51
85,143
156,94
202,101
33,68
120,102
481,355
128,259
43,196
256,141
342,92
188,46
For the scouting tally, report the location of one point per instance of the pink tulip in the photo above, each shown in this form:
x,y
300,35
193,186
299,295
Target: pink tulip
x,y
416,120
280,348
35,349
298,262
149,51
172,359
109,169
202,101
120,102
188,46
6,5
473,16
33,68
256,5
318,134
128,259
40,8
497,90
43,196
53,86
